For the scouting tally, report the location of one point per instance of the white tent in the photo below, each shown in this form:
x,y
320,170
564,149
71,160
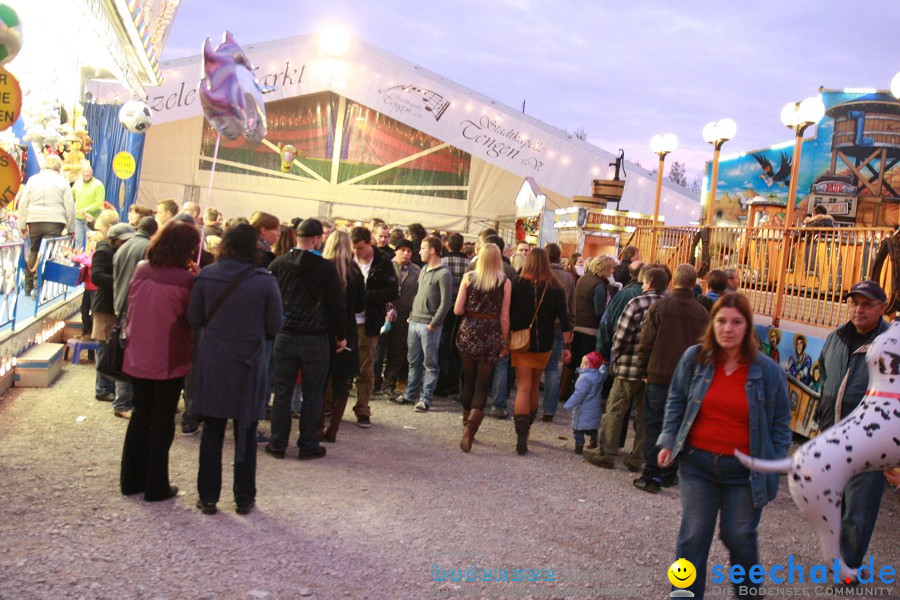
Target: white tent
x,y
379,136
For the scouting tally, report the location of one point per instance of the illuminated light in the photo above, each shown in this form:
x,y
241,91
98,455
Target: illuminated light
x,y
781,145
860,90
895,86
334,41
629,228
595,170
633,215
14,360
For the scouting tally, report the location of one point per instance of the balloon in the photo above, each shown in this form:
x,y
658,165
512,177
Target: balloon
x,y
135,116
864,440
230,95
10,34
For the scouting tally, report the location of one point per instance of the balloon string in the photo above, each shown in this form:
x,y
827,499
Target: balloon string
x,y
212,173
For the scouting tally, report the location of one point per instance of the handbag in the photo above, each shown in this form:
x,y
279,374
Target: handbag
x,y
520,339
110,362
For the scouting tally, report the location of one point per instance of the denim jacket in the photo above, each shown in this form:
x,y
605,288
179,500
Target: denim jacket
x,y
770,432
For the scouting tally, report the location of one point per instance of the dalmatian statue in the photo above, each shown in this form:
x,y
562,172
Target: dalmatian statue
x,y
868,439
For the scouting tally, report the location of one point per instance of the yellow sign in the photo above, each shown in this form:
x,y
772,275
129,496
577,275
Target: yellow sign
x,y
10,99
123,165
10,178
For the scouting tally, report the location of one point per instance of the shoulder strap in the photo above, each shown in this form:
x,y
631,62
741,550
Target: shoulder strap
x,y
538,306
224,295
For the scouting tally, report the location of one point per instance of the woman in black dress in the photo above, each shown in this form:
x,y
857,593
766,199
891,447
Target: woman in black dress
x,y
483,302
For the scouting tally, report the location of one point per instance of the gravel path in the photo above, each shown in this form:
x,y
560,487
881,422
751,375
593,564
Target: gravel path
x,y
370,520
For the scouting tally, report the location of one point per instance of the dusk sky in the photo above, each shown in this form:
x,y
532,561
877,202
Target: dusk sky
x,y
622,71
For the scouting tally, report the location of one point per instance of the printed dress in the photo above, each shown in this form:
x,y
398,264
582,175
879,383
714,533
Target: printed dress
x,y
479,334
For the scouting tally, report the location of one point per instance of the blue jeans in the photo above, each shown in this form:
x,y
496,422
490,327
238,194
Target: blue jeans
x,y
80,234
862,498
551,374
124,396
654,411
103,384
500,385
309,354
710,485
422,354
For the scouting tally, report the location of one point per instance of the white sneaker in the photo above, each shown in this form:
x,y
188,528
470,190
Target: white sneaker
x,y
421,407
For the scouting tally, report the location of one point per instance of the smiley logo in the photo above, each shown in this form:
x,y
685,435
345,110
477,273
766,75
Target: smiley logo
x,y
682,573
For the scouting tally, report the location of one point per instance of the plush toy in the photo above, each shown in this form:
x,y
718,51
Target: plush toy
x,y
865,440
288,153
72,159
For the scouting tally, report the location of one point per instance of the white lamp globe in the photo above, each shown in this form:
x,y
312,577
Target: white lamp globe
x,y
656,144
709,132
670,142
895,86
811,110
726,129
789,114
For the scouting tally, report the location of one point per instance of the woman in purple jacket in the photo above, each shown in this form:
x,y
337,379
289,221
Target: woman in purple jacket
x,y
157,357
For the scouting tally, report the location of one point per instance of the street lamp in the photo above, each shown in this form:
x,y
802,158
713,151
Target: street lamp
x,y
660,145
716,133
798,116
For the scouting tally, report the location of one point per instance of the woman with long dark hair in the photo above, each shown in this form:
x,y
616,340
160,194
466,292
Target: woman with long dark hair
x,y
725,395
238,305
157,357
344,365
538,300
483,303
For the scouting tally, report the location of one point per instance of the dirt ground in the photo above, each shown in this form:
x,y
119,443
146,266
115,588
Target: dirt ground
x,y
386,514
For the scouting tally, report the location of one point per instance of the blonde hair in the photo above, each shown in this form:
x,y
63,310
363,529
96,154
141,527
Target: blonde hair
x,y
488,268
107,219
602,266
339,251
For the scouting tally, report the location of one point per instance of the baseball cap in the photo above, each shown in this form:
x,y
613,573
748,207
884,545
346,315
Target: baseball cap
x,y
868,289
404,243
310,228
122,231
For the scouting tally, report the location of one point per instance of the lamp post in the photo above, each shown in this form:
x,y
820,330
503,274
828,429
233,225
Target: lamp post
x,y
661,145
797,116
716,133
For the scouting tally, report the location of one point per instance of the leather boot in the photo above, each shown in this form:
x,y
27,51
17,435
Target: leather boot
x,y
337,414
523,425
466,414
472,426
533,417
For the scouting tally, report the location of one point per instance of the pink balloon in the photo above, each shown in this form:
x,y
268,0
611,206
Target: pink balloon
x,y
230,95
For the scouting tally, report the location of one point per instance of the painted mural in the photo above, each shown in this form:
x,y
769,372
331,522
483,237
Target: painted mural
x,y
854,153
798,355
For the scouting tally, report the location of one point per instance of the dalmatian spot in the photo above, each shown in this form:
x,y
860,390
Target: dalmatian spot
x,y
848,448
871,428
827,492
832,441
849,460
827,467
796,477
817,454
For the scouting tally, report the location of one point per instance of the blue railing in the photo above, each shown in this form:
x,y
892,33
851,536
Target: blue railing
x,y
55,274
10,256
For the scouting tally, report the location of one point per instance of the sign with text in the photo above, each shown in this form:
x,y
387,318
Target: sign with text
x,y
10,178
123,165
10,99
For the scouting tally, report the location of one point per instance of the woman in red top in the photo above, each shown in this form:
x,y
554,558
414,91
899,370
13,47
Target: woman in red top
x,y
157,357
725,396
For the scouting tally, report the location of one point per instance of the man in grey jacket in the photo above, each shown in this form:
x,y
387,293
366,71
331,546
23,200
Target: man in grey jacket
x,y
845,379
46,209
430,306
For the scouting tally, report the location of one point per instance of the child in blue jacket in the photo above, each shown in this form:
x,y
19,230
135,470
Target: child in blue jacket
x,y
585,400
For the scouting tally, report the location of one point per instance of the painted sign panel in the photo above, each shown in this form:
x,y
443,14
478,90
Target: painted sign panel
x,y
798,355
855,150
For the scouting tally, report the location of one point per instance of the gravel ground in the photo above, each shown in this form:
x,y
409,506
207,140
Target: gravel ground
x,y
370,520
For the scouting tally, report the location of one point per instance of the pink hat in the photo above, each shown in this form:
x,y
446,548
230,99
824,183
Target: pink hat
x,y
595,359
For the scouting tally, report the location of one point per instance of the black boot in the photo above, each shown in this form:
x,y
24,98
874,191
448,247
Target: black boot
x,y
533,417
523,425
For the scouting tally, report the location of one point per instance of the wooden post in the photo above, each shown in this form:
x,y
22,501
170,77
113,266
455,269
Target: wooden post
x,y
659,179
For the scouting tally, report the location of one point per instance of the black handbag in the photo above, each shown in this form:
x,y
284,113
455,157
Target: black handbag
x,y
110,362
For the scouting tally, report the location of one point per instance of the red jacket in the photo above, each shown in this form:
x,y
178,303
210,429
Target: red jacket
x,y
160,344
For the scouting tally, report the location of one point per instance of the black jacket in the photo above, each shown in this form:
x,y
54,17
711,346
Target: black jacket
x,y
102,277
521,313
314,303
381,287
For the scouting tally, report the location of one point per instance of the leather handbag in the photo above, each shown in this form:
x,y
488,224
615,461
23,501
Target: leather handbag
x,y
520,339
110,362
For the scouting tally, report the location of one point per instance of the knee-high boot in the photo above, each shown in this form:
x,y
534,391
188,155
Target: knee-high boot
x,y
466,414
337,414
523,425
532,417
472,426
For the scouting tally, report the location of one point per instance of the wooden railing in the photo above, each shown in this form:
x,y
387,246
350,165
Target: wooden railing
x,y
822,264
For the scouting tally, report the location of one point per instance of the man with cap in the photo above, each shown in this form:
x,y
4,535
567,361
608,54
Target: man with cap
x,y
103,306
314,308
845,378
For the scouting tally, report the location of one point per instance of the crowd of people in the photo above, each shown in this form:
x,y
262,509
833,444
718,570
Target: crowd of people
x,y
257,319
